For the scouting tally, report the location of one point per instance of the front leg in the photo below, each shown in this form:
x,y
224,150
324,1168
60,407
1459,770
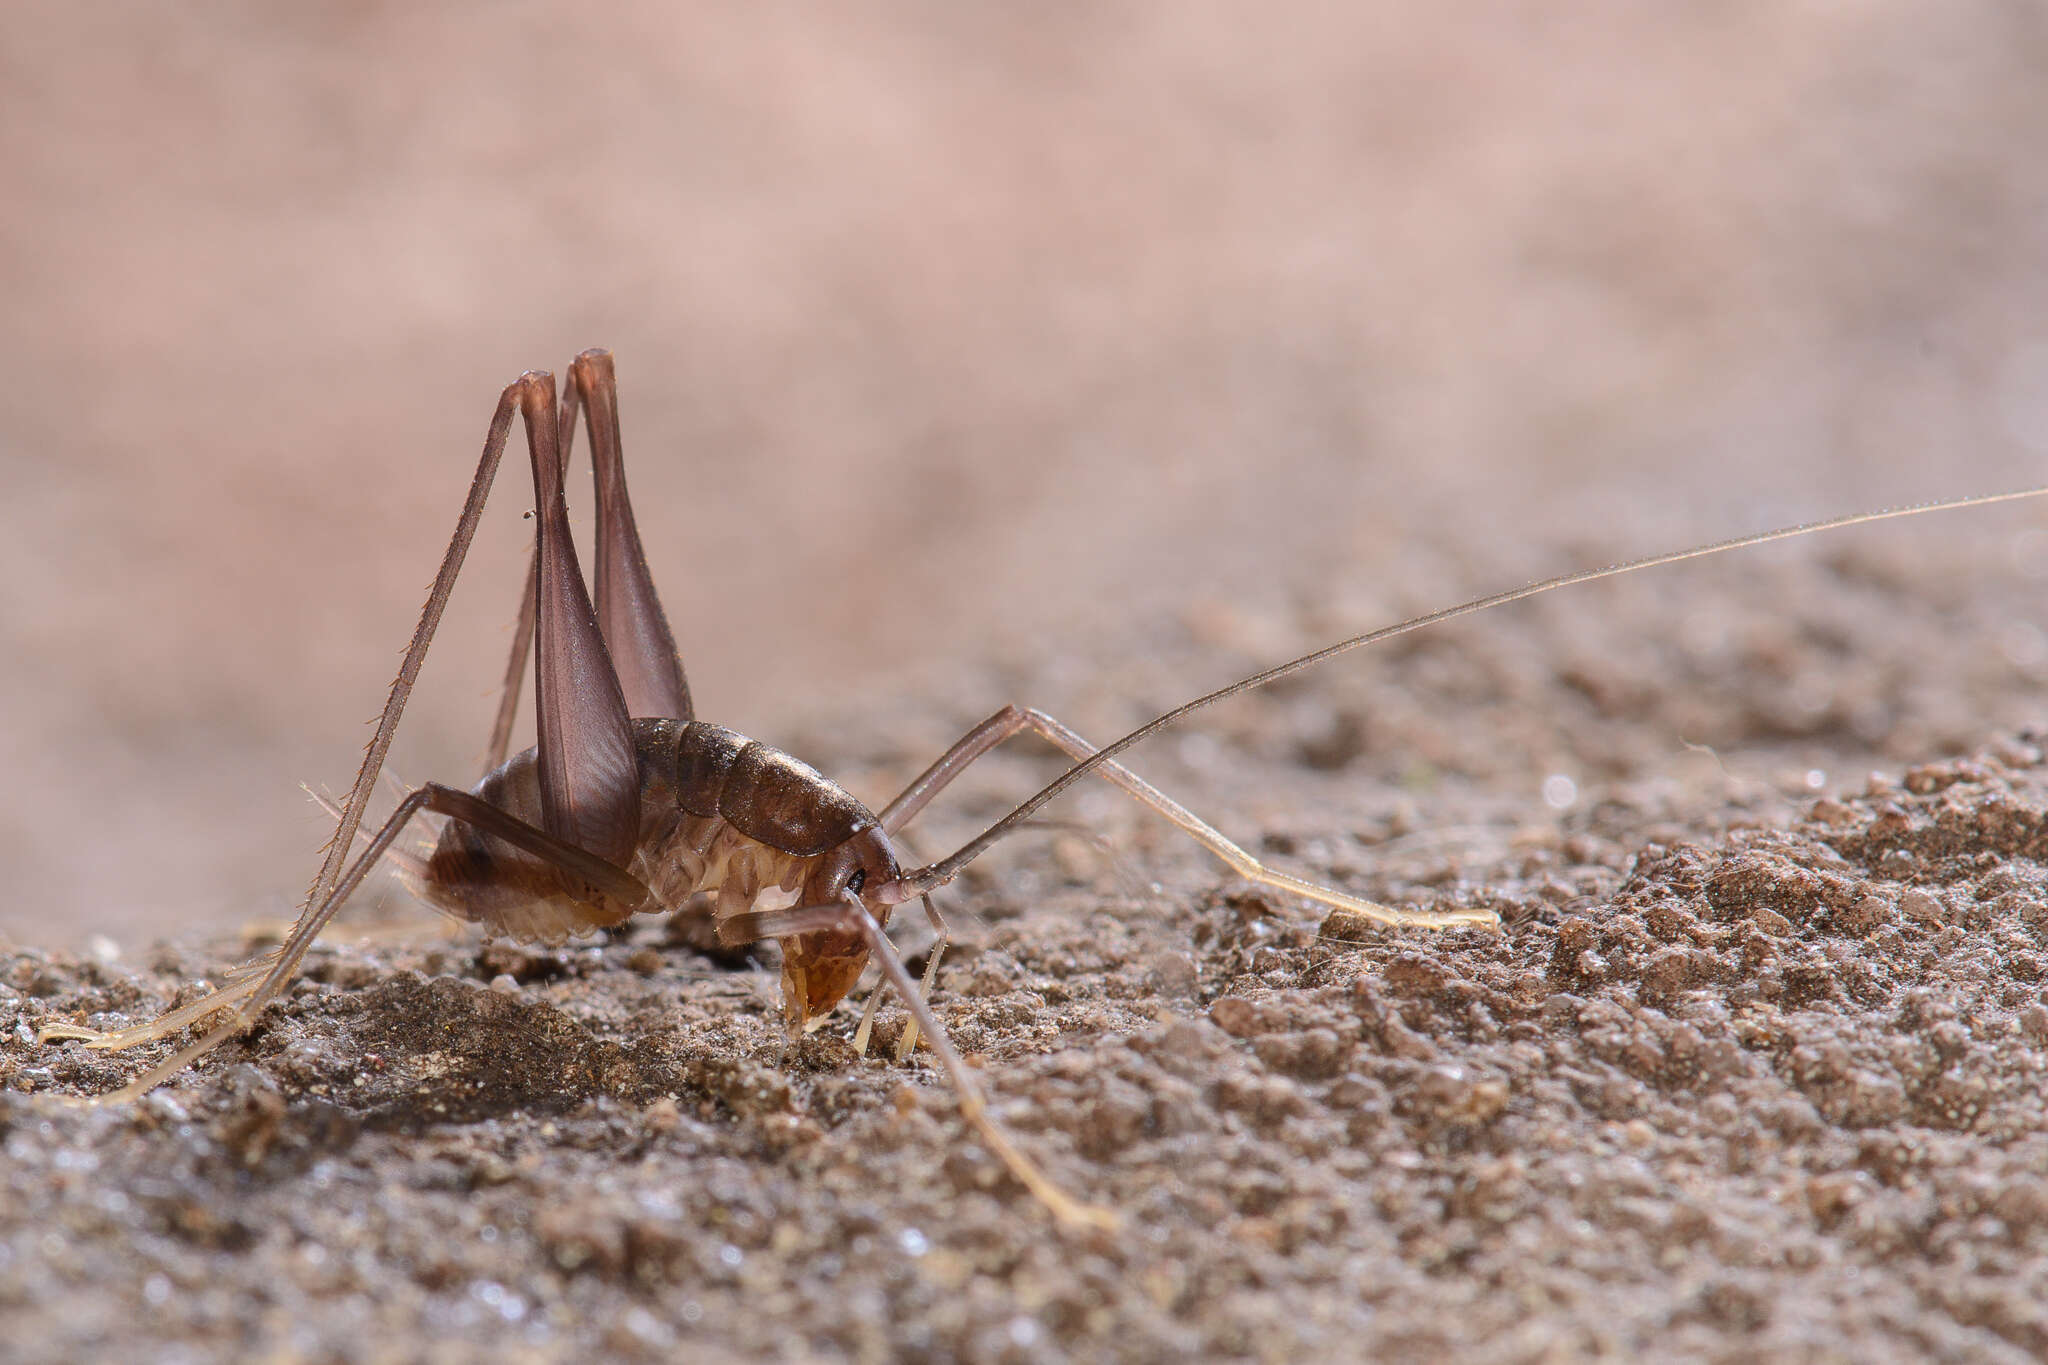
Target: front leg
x,y
850,914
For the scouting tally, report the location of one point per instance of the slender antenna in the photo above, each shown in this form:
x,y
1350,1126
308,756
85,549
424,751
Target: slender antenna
x,y
939,873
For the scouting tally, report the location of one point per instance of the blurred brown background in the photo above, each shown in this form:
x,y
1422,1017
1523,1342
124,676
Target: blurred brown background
x,y
946,332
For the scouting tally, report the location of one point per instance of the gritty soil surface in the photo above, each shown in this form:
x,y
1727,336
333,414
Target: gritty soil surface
x,y
1753,1068
978,340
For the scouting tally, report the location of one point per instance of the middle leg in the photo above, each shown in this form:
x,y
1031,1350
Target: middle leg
x,y
1014,720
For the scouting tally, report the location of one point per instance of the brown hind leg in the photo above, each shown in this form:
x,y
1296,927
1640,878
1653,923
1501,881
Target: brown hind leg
x,y
629,612
610,893
589,788
262,978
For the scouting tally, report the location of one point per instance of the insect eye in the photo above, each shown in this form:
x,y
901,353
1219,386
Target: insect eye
x,y
857,880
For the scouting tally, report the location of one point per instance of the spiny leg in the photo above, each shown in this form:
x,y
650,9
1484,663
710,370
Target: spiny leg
x,y
246,980
589,787
851,914
589,777
1013,720
249,988
588,801
416,652
412,867
635,629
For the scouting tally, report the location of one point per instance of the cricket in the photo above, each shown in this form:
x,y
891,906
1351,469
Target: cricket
x,y
629,805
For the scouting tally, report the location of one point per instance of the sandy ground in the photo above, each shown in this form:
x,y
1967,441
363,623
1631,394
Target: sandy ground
x,y
1754,1069
1086,361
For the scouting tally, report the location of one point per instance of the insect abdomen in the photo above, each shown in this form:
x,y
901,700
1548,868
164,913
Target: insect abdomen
x,y
719,813
762,792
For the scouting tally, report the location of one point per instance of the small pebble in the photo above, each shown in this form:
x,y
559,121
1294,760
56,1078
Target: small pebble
x,y
1923,906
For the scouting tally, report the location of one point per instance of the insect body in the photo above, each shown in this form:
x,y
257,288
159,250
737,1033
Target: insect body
x,y
628,804
720,816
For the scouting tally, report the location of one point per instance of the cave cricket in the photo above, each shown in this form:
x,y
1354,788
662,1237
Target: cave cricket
x,y
628,804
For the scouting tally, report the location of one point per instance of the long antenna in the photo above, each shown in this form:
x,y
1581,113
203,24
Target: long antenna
x,y
939,873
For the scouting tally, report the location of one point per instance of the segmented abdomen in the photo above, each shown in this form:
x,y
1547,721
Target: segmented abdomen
x,y
720,815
